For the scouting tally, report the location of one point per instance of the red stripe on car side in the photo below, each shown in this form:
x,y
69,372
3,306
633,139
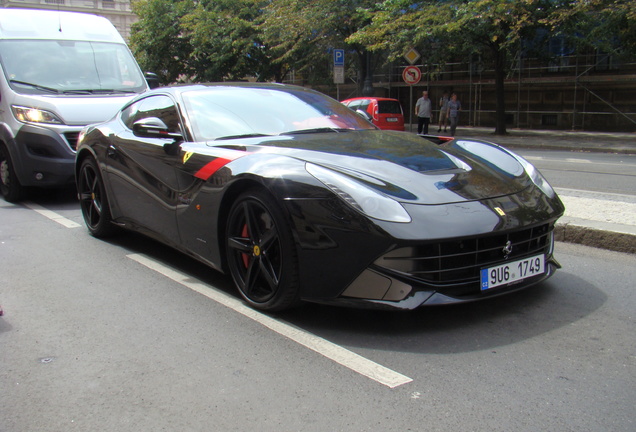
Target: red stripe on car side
x,y
211,167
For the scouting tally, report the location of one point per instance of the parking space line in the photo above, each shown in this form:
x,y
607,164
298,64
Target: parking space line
x,y
52,215
334,352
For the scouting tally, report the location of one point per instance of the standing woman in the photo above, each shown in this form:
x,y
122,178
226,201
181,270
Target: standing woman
x,y
454,107
443,112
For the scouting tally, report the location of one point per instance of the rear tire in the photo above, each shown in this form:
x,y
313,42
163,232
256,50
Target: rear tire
x,y
261,253
10,186
93,200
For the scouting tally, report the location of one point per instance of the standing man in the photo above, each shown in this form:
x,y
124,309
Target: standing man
x,y
454,107
443,112
423,113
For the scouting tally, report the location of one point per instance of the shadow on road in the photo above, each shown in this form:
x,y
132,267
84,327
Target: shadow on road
x,y
499,321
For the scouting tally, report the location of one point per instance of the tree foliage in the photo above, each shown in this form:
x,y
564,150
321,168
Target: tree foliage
x,y
446,30
301,34
212,40
157,39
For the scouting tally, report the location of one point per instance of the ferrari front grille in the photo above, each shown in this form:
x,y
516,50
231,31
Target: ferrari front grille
x,y
458,262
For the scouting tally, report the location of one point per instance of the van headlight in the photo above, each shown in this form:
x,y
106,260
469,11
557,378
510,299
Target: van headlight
x,y
360,197
34,115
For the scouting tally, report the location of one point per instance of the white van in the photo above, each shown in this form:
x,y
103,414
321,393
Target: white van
x,y
60,72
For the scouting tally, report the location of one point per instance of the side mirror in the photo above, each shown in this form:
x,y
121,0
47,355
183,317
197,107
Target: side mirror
x,y
153,127
152,79
365,115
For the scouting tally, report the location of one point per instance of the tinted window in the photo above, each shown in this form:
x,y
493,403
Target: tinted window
x,y
227,111
389,107
159,106
128,114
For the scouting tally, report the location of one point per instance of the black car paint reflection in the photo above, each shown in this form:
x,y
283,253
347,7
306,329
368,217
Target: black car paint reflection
x,y
315,204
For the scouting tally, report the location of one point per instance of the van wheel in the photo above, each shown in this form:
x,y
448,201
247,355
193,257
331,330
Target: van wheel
x,y
10,186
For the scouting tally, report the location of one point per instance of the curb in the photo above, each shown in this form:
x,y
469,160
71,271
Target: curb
x,y
609,240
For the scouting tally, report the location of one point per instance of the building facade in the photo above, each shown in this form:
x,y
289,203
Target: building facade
x,y
594,91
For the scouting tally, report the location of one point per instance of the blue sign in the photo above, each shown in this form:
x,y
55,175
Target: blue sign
x,y
338,57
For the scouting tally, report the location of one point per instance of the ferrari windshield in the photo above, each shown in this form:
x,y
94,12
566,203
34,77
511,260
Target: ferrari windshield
x,y
227,111
69,67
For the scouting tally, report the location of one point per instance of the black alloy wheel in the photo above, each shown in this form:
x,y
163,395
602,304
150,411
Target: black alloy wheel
x,y
10,186
93,200
260,252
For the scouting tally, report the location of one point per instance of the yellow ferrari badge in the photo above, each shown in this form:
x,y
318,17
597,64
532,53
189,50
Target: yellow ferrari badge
x,y
186,156
500,212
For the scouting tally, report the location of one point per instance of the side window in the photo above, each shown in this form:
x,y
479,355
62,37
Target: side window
x,y
159,106
354,105
129,113
364,105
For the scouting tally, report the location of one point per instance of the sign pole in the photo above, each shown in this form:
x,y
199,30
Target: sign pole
x,y
338,69
411,75
411,109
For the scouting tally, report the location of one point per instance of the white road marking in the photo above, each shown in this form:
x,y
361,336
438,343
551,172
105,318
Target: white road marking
x,y
322,346
52,215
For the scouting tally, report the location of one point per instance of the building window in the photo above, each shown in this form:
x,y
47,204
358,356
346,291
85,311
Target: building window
x,y
55,2
549,120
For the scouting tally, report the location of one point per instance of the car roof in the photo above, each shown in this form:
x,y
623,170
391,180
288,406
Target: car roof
x,y
37,24
182,88
369,98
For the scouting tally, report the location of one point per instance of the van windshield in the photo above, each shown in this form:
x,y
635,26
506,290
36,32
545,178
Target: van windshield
x,y
69,67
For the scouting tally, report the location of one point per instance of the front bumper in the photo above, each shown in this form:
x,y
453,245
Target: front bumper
x,y
45,157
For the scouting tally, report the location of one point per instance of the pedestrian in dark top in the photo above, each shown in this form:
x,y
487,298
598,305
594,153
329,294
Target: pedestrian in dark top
x,y
443,112
454,107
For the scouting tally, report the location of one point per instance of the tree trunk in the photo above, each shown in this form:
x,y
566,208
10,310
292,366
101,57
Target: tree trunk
x,y
500,75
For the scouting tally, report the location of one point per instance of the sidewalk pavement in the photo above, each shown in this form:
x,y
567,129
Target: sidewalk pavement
x,y
602,220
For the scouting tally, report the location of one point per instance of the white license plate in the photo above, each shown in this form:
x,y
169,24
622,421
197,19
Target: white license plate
x,y
514,271
391,119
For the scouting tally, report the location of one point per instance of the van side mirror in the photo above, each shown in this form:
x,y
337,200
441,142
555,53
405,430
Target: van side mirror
x,y
152,79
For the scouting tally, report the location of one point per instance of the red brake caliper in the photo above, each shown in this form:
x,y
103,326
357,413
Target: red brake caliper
x,y
246,258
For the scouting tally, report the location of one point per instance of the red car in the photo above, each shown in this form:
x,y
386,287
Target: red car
x,y
385,113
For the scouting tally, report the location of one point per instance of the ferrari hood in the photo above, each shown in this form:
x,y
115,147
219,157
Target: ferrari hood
x,y
408,167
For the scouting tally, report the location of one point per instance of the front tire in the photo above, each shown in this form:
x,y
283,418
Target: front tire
x,y
10,186
261,254
93,200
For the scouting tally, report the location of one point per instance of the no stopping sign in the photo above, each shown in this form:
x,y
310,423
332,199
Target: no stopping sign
x,y
411,75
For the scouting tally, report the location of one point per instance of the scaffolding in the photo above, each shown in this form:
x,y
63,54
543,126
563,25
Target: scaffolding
x,y
584,92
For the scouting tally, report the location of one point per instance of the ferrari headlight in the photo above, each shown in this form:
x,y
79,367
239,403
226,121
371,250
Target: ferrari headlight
x,y
34,115
360,197
536,177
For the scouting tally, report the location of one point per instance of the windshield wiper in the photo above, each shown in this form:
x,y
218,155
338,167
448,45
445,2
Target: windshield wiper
x,y
251,135
96,91
35,86
316,130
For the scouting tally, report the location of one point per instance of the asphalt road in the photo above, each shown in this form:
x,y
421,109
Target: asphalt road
x,y
93,339
597,172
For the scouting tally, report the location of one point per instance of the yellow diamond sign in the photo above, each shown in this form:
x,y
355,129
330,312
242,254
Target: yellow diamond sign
x,y
412,56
